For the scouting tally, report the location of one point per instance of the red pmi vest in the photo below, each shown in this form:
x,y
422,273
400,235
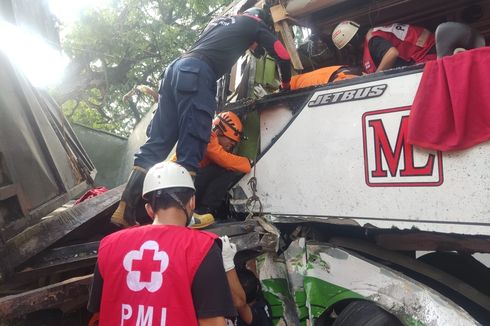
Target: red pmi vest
x,y
412,42
147,275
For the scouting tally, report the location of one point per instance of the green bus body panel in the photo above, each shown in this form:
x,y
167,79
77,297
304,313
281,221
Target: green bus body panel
x,y
251,131
323,295
274,290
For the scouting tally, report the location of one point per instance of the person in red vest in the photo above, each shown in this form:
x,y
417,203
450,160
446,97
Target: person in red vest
x,y
164,273
386,47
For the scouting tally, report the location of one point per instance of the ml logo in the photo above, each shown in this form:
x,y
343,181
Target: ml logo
x,y
389,161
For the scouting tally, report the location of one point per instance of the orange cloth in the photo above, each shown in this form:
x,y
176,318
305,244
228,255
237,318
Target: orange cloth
x,y
317,77
216,154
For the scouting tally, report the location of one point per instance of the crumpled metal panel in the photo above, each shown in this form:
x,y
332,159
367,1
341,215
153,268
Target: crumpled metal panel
x,y
40,151
404,297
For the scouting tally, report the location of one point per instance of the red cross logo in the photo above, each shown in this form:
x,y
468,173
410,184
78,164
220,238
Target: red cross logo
x,y
145,267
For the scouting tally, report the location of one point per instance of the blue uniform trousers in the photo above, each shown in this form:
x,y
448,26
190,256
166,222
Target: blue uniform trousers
x,y
186,107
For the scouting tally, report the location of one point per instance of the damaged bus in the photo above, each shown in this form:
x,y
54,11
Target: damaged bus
x,y
374,228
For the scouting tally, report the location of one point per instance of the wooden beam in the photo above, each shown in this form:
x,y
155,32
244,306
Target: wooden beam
x,y
280,18
248,235
34,216
48,297
52,262
29,278
288,38
278,13
8,191
62,255
42,235
14,190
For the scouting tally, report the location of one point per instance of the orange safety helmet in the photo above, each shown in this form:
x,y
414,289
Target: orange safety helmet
x,y
229,124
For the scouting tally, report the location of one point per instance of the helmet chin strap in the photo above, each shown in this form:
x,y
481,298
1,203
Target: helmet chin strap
x,y
187,216
179,202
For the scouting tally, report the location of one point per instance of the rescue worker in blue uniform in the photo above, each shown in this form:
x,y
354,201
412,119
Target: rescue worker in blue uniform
x,y
187,104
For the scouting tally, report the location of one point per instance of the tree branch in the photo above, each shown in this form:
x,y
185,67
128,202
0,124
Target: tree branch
x,y
98,108
73,110
167,13
134,110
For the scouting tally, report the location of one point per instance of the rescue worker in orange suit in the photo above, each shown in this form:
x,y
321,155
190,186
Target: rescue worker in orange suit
x,y
187,101
323,76
219,168
164,273
386,47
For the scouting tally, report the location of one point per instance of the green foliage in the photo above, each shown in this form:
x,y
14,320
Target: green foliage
x,y
116,48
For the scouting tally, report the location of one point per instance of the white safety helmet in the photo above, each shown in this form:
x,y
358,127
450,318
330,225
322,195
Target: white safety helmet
x,y
166,175
344,33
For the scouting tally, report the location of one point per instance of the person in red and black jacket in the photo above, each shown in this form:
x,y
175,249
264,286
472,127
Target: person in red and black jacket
x,y
187,101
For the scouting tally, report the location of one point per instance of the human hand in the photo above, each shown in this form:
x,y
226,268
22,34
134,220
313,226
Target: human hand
x,y
229,251
284,87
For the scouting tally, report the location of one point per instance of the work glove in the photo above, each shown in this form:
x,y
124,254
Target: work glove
x,y
229,251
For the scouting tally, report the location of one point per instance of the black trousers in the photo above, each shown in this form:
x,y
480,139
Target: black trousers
x,y
212,184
